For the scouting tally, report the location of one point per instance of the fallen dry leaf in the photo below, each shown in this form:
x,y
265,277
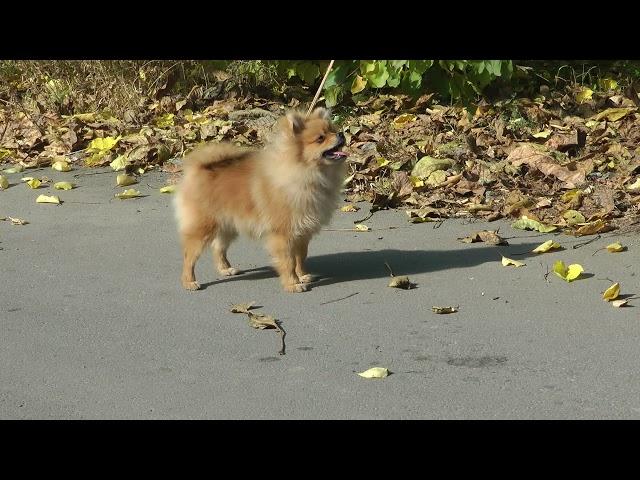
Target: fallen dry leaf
x,y
17,221
361,227
16,169
375,372
612,292
613,114
61,166
569,273
592,228
534,157
48,199
486,236
168,189
350,208
63,185
635,186
615,247
260,321
242,307
443,310
546,246
4,182
124,180
619,303
509,261
34,183
130,193
526,223
401,282
120,163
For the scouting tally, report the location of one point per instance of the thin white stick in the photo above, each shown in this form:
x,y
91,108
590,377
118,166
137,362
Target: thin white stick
x,y
315,99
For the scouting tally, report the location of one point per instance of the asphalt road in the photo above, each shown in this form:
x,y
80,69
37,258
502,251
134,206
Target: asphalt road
x,y
94,323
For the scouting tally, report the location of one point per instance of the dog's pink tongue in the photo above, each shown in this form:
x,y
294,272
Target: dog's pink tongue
x,y
340,154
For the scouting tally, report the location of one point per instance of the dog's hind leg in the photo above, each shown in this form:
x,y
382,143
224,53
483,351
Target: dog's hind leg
x,y
219,247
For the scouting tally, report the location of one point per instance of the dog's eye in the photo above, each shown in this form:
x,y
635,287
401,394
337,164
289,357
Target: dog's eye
x,y
320,139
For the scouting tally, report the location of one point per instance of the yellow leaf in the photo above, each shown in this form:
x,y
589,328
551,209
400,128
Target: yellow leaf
x,y
634,186
569,273
614,114
47,199
123,180
591,228
615,247
119,163
437,178
612,292
85,117
16,169
542,134
140,171
526,223
61,166
168,189
546,246
63,185
361,227
608,84
26,179
95,158
350,208
165,120
584,95
4,182
4,153
103,144
403,120
573,217
130,193
508,261
358,84
34,183
375,372
416,181
382,162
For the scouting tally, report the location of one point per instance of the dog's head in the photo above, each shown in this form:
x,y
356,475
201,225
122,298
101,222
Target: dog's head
x,y
315,137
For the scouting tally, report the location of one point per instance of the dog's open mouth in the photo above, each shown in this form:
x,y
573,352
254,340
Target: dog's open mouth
x,y
335,153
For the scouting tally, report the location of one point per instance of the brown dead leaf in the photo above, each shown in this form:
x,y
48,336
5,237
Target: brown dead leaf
x,y
528,154
487,236
242,307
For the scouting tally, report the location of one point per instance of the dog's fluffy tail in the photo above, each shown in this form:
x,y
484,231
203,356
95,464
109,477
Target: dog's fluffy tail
x,y
214,154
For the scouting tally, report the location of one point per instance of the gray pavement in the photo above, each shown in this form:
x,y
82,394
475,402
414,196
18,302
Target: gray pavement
x,y
94,323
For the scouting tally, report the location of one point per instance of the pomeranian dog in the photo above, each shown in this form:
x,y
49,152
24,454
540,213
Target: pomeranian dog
x,y
283,194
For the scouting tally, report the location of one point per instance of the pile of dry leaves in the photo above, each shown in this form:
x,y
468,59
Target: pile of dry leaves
x,y
566,159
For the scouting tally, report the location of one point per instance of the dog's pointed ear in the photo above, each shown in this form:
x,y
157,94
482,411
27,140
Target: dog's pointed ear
x,y
292,122
322,113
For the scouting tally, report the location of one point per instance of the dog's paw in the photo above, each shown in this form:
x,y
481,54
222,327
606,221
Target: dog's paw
x,y
191,286
308,278
228,272
296,288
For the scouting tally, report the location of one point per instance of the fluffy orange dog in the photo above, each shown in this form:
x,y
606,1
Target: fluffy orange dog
x,y
283,194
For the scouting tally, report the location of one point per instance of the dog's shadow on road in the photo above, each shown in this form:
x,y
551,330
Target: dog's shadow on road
x,y
347,266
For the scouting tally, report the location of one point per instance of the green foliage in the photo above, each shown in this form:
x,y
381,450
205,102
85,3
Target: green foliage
x,y
453,79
